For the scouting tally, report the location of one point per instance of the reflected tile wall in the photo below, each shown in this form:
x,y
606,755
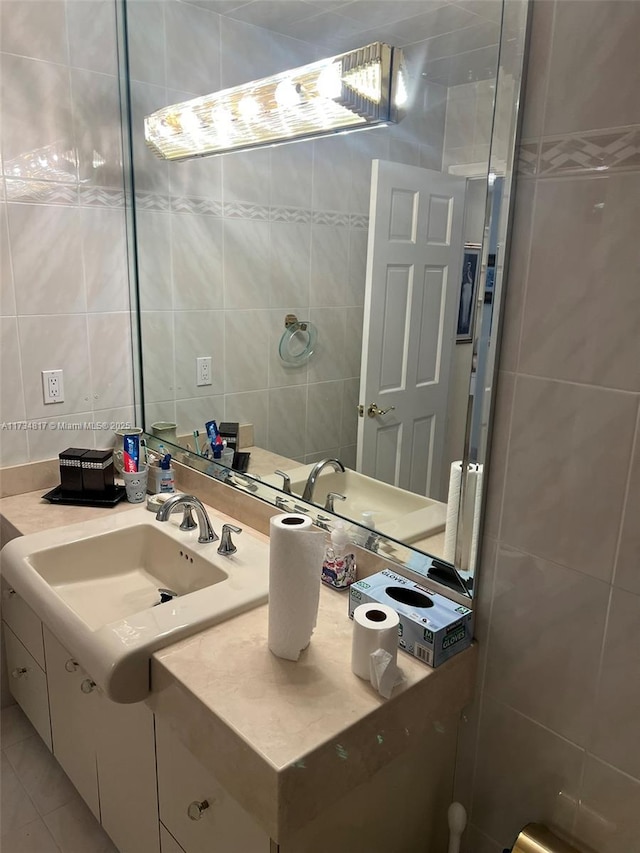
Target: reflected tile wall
x,y
92,34
97,130
64,270
36,29
36,119
259,234
558,703
468,122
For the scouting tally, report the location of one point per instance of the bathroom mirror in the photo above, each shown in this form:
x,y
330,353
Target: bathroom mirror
x,y
388,242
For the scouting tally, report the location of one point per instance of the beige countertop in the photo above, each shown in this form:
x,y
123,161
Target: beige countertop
x,y
276,732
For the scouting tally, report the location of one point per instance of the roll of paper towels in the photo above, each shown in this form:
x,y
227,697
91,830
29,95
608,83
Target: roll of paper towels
x,y
296,550
375,626
453,502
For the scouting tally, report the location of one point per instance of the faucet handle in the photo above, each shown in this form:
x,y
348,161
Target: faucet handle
x,y
227,547
286,482
188,521
331,497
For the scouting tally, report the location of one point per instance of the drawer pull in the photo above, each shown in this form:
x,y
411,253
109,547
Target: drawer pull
x,y
9,593
71,665
196,810
88,686
19,672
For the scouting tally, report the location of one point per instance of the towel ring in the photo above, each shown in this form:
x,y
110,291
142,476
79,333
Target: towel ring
x,y
298,340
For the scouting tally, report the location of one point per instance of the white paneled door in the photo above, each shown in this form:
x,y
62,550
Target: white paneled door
x,y
410,312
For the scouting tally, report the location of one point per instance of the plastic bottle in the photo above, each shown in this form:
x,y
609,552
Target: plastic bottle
x,y
339,565
167,479
361,531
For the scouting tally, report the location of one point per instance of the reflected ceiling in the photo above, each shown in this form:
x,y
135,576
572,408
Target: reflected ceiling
x,y
461,37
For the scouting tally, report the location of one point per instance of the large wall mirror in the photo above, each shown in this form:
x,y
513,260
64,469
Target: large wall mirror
x,y
338,295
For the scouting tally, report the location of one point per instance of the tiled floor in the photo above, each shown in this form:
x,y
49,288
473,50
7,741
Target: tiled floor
x,y
40,810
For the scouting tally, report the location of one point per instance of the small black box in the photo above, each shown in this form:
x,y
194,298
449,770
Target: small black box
x,y
229,431
97,471
71,470
241,461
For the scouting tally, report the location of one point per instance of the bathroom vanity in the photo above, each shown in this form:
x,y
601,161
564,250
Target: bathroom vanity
x,y
236,750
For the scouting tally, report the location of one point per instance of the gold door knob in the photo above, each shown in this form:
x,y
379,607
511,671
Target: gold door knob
x,y
373,411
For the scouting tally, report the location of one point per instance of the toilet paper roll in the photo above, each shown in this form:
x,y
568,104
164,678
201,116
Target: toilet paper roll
x,y
537,838
296,550
375,626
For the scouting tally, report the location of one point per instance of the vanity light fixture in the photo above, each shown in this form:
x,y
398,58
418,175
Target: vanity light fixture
x,y
352,91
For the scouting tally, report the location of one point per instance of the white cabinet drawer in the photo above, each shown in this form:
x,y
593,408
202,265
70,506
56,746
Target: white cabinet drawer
x,y
28,684
223,825
127,776
73,720
23,622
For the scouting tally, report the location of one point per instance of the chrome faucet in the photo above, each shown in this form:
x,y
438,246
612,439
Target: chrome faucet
x,y
206,531
336,464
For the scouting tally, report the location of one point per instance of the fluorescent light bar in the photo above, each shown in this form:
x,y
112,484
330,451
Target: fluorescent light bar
x,y
361,88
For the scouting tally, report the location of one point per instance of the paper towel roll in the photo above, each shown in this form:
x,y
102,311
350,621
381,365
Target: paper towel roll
x,y
296,550
375,626
453,503
470,514
475,532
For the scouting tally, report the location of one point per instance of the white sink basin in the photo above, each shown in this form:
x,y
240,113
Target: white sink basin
x,y
396,512
96,585
113,575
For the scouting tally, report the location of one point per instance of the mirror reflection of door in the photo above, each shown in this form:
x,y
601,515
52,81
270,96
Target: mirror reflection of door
x,y
410,313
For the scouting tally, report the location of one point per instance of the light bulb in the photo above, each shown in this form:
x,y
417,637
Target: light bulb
x,y
287,95
222,123
190,122
401,90
329,83
249,108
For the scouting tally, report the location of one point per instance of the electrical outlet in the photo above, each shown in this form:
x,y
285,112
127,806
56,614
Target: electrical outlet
x,y
203,370
52,386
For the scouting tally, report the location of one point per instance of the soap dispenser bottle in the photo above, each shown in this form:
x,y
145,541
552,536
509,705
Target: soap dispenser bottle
x,y
167,479
339,565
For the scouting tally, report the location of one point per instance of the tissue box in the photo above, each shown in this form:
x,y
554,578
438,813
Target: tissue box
x,y
432,628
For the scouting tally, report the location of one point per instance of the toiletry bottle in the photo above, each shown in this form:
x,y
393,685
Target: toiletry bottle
x,y
339,565
227,456
167,480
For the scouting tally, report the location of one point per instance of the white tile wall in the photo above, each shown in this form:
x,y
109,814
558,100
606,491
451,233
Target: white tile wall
x,y
64,284
554,732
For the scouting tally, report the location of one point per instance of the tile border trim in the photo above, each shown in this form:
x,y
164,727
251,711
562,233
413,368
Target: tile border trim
x,y
73,195
593,152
